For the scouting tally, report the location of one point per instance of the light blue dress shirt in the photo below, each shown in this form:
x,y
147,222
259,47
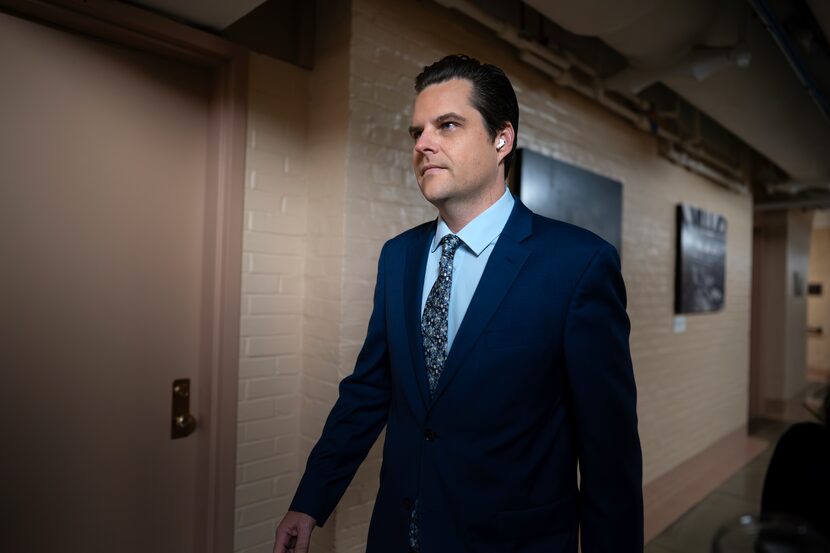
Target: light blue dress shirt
x,y
479,237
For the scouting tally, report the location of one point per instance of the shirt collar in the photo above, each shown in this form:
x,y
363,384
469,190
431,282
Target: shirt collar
x,y
481,231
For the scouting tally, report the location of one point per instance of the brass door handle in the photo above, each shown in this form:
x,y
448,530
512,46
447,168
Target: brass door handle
x,y
183,423
186,423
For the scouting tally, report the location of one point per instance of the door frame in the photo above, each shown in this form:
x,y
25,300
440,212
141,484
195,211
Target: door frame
x,y
227,64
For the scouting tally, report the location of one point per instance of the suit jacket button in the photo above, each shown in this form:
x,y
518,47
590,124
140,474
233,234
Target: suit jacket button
x,y
407,503
429,434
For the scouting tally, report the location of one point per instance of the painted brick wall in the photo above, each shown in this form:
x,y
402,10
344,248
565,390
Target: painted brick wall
x,y
292,276
273,290
693,386
328,147
356,190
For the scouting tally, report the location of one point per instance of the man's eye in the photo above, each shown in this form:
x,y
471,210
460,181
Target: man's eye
x,y
415,135
449,125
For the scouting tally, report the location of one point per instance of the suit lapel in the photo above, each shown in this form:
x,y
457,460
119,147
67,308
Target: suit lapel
x,y
416,262
504,265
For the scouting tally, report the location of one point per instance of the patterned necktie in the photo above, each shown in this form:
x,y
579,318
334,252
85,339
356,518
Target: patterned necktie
x,y
434,320
434,329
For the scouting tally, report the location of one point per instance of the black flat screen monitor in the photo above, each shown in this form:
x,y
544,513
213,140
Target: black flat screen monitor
x,y
568,193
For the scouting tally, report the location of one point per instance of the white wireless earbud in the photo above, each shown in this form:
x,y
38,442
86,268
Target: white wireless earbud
x,y
501,144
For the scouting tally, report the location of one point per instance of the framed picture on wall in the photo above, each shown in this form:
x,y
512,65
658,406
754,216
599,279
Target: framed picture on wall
x,y
700,261
568,193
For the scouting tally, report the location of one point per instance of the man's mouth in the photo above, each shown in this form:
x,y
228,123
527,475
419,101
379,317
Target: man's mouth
x,y
429,168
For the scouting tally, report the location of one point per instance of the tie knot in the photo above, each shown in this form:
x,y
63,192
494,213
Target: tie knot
x,y
450,243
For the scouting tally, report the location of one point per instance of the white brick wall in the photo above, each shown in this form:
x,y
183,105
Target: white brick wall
x,y
273,287
693,386
317,216
328,128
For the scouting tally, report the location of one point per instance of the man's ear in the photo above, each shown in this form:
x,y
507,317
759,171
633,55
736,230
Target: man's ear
x,y
504,141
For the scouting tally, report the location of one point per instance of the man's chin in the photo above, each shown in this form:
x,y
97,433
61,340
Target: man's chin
x,y
433,189
435,197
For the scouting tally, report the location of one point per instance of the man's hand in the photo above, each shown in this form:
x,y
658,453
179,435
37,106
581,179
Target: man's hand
x,y
294,533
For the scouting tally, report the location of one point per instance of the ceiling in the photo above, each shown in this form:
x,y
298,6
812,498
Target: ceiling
x,y
726,58
723,57
213,15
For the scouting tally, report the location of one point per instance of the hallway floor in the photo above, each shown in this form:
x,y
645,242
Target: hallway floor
x,y
737,496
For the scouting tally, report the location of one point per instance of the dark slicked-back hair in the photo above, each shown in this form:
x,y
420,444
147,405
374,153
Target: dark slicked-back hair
x,y
492,94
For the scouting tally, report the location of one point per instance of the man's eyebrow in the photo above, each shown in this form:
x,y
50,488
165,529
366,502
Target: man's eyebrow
x,y
451,115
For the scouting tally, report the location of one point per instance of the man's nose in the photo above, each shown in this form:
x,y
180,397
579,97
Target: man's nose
x,y
425,143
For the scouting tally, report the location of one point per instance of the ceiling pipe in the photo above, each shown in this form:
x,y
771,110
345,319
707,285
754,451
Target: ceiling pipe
x,y
506,32
560,69
699,64
511,35
796,187
685,160
822,203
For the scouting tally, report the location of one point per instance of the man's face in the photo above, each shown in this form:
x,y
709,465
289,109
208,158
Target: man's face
x,y
454,158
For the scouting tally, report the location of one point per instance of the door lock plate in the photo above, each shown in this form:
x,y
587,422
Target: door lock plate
x,y
182,423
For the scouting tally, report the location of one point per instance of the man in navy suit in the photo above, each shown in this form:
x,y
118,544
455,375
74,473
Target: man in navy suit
x,y
496,357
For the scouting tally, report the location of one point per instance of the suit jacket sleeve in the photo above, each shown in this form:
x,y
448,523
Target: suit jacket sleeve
x,y
604,398
354,423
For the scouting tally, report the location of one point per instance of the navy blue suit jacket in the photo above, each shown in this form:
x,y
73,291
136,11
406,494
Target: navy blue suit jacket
x,y
538,380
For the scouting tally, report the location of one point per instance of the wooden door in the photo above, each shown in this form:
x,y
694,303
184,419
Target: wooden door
x,y
104,273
